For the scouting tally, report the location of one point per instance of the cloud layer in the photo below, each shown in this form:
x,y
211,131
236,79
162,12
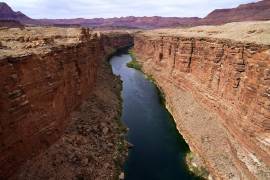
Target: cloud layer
x,y
117,8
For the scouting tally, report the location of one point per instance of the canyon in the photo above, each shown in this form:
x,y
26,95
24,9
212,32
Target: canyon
x,y
60,103
46,74
216,84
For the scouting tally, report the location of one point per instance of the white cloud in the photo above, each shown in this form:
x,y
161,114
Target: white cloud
x,y
117,8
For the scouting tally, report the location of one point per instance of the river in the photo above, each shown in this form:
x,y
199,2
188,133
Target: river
x,y
159,150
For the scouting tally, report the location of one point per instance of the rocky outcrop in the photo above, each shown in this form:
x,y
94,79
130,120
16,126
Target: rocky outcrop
x,y
45,74
218,93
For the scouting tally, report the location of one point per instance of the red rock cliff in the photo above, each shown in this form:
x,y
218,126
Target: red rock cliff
x,y
218,93
43,78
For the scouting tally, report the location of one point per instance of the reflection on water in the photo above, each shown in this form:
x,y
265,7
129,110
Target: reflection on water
x,y
159,150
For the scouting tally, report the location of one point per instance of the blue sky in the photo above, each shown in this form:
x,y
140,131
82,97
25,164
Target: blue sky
x,y
118,8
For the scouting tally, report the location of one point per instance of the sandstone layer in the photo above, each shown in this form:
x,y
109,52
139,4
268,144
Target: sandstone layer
x,y
217,88
45,74
93,145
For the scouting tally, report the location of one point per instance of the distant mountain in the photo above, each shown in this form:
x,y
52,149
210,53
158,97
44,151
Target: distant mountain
x,y
130,22
246,12
6,13
253,11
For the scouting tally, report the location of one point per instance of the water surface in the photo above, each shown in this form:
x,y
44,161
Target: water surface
x,y
159,150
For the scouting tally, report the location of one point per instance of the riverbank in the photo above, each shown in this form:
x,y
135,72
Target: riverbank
x,y
158,149
93,146
212,85
193,161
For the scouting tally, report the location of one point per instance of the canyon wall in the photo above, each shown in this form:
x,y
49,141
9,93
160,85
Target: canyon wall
x,y
218,93
45,74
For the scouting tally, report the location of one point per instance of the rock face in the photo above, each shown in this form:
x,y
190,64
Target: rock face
x,y
93,145
42,81
218,93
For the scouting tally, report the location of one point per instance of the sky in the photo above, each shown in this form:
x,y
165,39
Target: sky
x,y
117,8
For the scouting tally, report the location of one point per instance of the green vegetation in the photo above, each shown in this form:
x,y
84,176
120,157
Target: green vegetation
x,y
194,168
150,78
134,63
132,54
